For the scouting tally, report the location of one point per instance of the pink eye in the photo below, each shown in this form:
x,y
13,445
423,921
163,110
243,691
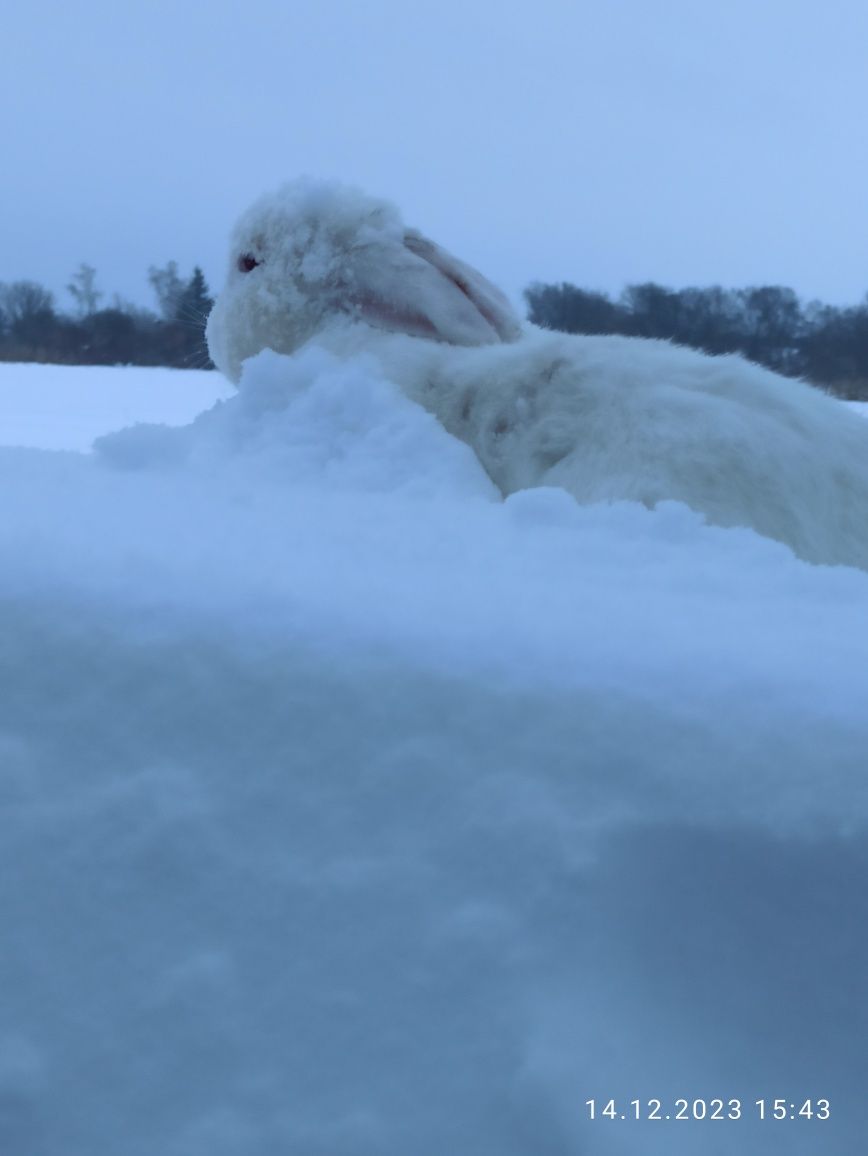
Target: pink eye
x,y
246,262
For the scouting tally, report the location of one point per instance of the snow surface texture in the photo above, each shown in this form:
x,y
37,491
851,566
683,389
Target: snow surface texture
x,y
607,418
348,810
64,407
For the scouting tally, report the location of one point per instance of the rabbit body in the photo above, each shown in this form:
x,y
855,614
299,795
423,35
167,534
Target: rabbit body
x,y
606,418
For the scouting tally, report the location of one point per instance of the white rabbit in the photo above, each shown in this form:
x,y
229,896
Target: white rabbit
x,y
604,417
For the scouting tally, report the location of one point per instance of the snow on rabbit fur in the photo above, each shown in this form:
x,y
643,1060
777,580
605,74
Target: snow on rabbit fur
x,y
606,418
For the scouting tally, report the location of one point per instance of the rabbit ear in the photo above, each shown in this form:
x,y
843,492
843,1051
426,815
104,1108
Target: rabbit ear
x,y
420,289
487,298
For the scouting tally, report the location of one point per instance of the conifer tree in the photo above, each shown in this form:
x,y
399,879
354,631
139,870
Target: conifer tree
x,y
194,302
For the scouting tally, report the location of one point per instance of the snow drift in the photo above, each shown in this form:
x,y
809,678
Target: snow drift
x,y
348,809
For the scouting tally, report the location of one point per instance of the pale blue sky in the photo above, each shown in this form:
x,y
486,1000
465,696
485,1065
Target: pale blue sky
x,y
601,143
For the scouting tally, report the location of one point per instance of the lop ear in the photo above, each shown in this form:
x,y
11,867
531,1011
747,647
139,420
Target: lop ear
x,y
420,289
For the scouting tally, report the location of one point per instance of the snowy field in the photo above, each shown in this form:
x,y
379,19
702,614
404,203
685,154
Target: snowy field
x,y
64,407
347,810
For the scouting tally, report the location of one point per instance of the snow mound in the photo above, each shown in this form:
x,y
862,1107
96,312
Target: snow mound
x,y
347,811
313,419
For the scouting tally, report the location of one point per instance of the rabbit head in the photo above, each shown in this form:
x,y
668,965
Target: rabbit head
x,y
314,254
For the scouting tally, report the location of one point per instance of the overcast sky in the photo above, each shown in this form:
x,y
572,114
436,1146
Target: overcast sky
x,y
602,143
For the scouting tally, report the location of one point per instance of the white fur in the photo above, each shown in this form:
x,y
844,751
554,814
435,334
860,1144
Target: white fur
x,y
604,417
330,253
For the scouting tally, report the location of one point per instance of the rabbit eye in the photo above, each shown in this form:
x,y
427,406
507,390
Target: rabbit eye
x,y
247,262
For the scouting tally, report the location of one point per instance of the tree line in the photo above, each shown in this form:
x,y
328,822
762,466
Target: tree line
x,y
32,328
768,324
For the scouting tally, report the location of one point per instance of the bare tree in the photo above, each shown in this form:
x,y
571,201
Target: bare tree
x,y
83,290
28,311
169,288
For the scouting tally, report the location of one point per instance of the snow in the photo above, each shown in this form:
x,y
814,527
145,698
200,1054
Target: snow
x,y
347,809
64,407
